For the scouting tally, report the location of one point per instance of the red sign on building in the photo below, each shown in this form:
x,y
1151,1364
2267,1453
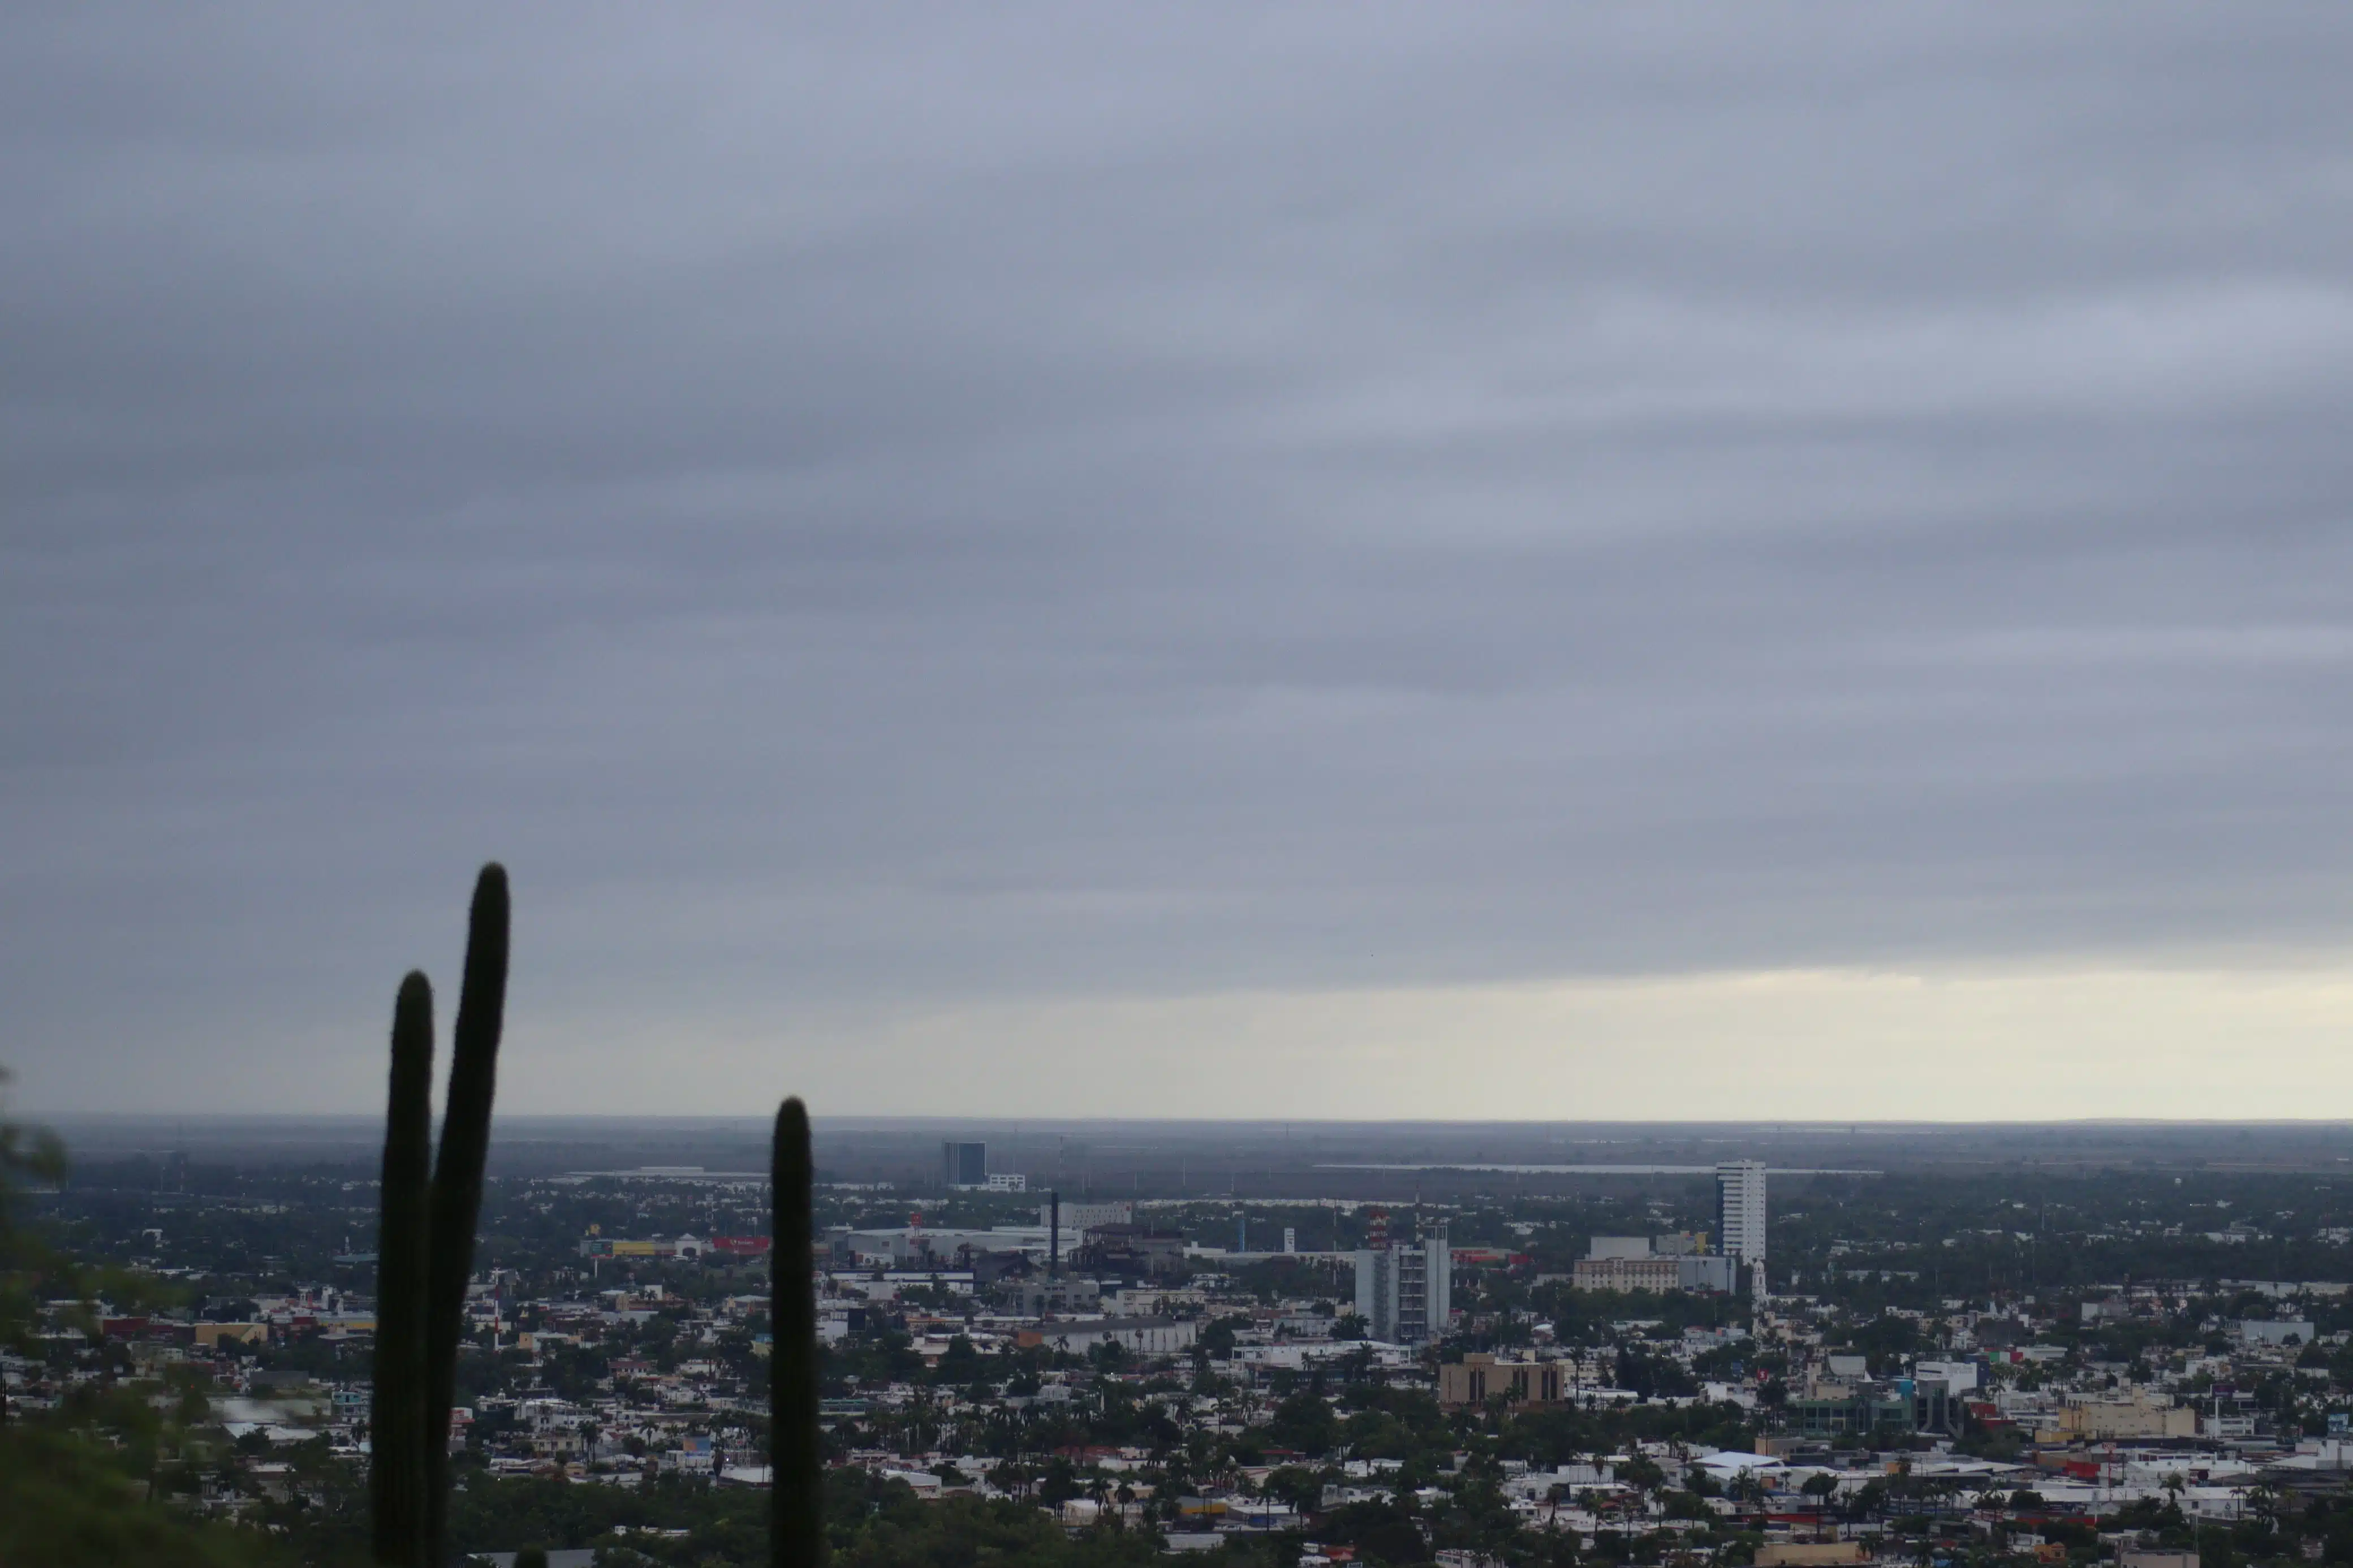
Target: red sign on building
x,y
740,1245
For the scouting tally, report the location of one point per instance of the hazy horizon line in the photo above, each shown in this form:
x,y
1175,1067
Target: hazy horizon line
x,y
903,1121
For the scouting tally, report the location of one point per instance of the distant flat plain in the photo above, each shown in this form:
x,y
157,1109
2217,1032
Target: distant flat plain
x,y
1365,1161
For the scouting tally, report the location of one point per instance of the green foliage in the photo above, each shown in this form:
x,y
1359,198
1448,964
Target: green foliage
x,y
1297,1485
1395,1424
1305,1422
78,1486
1216,1341
1641,1472
1652,1376
961,1362
1885,1340
69,1503
509,1514
961,1530
26,1262
1381,1532
1564,1434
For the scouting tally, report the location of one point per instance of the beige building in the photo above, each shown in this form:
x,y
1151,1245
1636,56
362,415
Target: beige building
x,y
1478,1377
1627,1274
1811,1554
2135,1416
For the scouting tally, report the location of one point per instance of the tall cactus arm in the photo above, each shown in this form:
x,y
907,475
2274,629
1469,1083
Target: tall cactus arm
x,y
796,1522
397,1479
458,1173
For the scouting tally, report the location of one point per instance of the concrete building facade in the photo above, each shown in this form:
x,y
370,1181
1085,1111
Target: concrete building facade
x,y
1740,1210
1078,1218
1405,1291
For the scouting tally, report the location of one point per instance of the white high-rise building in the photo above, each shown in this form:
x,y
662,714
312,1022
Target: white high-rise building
x,y
1405,1291
1740,1211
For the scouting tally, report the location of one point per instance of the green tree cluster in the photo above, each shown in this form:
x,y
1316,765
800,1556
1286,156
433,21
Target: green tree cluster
x,y
78,1485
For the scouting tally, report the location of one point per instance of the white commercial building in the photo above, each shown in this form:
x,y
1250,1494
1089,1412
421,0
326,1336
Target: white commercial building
x,y
1142,1336
1078,1218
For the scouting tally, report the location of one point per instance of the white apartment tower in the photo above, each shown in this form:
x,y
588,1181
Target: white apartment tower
x,y
1740,1211
1405,1291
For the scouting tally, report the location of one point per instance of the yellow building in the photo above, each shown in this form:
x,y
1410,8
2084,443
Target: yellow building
x,y
2134,1416
209,1335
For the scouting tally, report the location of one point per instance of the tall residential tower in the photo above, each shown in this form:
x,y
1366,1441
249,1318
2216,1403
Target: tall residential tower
x,y
1405,1289
1740,1216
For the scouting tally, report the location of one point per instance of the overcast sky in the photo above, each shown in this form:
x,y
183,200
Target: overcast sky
x,y
1358,561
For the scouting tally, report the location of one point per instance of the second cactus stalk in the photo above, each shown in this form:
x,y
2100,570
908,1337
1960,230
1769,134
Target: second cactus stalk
x,y
425,1245
797,1521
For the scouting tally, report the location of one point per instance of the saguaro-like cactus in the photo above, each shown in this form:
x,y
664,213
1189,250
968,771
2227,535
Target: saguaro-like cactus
x,y
458,1177
425,1246
396,1474
795,1501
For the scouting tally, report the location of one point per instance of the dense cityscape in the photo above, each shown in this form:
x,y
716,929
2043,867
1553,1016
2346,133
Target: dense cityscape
x,y
1735,1363
1270,786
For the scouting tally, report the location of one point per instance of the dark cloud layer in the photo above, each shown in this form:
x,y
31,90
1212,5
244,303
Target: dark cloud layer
x,y
937,503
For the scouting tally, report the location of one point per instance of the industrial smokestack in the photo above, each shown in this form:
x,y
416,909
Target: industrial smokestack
x,y
1054,1235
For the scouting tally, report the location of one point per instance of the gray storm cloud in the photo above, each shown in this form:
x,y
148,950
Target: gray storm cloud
x,y
930,504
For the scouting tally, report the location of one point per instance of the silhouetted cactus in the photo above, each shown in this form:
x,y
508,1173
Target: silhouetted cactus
x,y
396,1474
425,1246
795,1521
458,1177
